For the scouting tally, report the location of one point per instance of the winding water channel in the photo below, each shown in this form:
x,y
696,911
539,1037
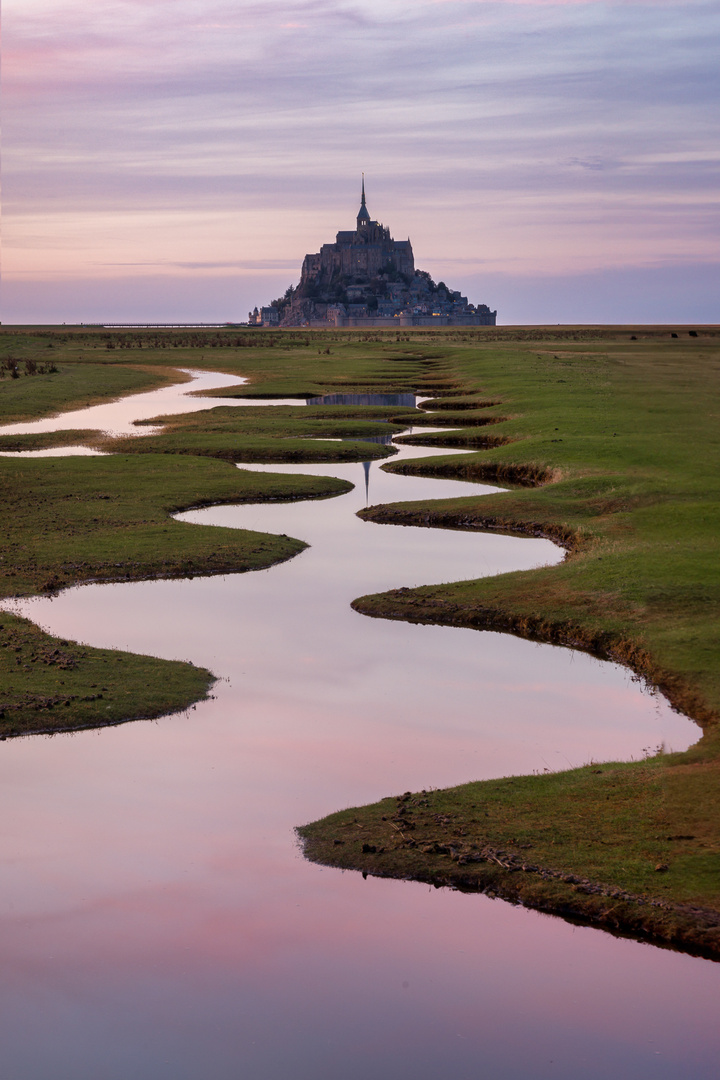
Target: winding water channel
x,y
157,919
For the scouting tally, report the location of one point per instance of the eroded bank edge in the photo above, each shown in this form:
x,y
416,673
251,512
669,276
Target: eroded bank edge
x,y
687,926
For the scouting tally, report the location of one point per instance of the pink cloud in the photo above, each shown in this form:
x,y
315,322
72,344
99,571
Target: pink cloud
x,y
542,138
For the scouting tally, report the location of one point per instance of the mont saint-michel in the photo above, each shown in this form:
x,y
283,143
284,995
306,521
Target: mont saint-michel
x,y
367,279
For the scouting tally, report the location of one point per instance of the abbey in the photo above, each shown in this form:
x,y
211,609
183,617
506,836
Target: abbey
x,y
367,279
364,253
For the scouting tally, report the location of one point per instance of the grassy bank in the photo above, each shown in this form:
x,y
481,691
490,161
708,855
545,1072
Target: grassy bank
x,y
608,438
613,448
71,520
617,450
628,847
276,364
74,520
274,434
48,684
59,385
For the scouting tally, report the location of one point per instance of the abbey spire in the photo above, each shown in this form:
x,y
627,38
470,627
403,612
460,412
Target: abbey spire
x,y
363,218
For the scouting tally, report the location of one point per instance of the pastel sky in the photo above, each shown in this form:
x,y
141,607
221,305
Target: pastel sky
x,y
175,159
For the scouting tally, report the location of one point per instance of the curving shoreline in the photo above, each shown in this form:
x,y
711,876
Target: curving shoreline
x,y
531,604
431,838
651,871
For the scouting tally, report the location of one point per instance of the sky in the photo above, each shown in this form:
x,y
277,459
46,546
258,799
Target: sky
x,y
174,160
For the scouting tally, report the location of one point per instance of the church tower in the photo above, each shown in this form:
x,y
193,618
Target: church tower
x,y
363,218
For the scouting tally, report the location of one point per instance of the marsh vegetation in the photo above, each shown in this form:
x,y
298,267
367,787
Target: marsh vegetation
x,y
609,442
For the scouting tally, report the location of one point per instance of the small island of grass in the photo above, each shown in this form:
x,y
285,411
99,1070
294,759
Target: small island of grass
x,y
608,440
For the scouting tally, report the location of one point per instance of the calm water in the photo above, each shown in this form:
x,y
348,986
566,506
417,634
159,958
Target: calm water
x,y
120,417
397,400
157,919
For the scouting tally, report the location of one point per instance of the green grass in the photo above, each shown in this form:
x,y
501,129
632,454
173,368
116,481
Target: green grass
x,y
631,442
79,519
275,433
45,440
49,684
72,386
620,845
74,520
276,364
609,440
612,448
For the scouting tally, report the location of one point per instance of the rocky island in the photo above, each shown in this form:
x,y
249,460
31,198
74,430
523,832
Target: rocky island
x,y
367,279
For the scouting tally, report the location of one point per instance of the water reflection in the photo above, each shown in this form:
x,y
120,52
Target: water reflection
x,y
156,918
397,400
409,401
54,451
120,417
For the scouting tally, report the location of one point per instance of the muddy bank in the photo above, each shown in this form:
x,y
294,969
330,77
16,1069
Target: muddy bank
x,y
421,606
474,518
457,404
524,474
466,440
402,838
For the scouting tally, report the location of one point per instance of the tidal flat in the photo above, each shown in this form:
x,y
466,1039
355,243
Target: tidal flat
x,y
607,439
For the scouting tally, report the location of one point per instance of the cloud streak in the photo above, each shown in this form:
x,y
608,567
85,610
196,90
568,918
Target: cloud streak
x,y
546,138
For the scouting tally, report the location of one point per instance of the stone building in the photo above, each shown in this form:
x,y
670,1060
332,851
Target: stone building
x,y
367,279
266,316
357,256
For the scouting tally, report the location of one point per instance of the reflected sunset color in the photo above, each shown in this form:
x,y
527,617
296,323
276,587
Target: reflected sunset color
x,y
157,917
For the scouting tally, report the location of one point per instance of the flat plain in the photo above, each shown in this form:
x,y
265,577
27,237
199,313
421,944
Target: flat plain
x,y
608,440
